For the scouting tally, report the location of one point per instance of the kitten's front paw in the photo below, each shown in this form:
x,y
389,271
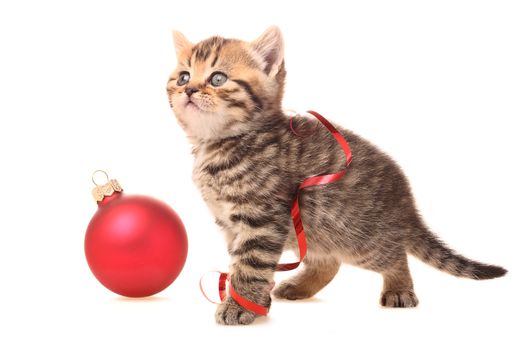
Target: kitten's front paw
x,y
231,313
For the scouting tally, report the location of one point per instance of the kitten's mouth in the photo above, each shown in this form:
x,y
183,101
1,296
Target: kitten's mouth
x,y
191,104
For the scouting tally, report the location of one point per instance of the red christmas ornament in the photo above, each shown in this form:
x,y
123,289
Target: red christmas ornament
x,y
136,246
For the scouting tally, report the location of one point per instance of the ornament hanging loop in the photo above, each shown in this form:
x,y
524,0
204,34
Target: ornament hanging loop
x,y
95,173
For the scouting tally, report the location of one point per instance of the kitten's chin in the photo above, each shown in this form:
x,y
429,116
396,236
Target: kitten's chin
x,y
203,126
200,126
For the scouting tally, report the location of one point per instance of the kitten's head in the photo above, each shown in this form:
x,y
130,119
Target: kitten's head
x,y
224,87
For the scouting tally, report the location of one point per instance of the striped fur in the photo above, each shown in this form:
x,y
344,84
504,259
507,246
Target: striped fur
x,y
248,165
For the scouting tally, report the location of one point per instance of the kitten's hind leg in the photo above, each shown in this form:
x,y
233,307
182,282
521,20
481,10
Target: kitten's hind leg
x,y
315,275
398,289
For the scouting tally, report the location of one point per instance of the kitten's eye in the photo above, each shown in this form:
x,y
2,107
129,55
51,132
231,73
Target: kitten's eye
x,y
184,77
218,78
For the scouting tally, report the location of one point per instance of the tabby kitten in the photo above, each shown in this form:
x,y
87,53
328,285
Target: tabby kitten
x,y
226,95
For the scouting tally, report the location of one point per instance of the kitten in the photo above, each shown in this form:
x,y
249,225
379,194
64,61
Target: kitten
x,y
226,94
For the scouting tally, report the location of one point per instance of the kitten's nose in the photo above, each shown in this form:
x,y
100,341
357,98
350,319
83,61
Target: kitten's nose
x,y
190,90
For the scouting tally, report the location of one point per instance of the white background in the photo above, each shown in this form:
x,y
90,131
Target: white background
x,y
439,85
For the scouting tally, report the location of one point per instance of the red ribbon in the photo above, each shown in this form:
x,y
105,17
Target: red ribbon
x,y
296,218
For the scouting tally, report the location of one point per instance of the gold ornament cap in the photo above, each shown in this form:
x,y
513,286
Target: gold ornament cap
x,y
102,191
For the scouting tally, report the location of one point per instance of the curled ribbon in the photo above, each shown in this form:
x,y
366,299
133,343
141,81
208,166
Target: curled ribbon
x,y
296,218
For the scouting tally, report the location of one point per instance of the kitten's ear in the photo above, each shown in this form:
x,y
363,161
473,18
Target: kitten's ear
x,y
270,46
180,42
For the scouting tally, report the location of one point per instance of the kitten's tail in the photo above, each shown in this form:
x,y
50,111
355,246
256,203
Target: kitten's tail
x,y
431,250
